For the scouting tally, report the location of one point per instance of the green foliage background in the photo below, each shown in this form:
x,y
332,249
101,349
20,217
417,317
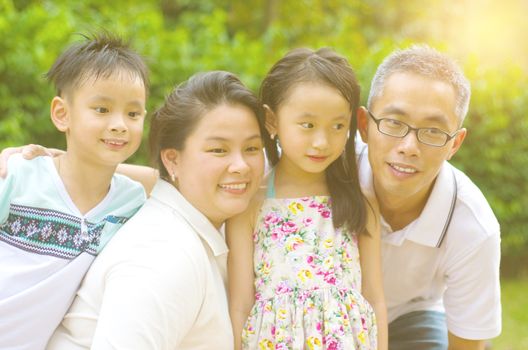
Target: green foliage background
x,y
181,37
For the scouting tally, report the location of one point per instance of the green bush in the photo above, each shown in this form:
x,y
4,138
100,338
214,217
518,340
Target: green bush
x,y
179,38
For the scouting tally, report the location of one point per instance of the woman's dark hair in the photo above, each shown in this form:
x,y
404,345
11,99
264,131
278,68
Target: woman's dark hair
x,y
99,55
184,107
323,66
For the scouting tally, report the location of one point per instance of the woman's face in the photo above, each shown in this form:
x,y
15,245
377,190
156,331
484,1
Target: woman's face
x,y
222,162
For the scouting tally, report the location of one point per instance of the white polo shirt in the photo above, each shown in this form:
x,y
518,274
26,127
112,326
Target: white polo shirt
x,y
447,259
159,284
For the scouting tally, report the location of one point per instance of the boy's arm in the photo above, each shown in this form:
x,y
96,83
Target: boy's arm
x,y
372,283
241,290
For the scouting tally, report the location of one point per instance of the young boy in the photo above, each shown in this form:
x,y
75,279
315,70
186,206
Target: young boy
x,y
56,214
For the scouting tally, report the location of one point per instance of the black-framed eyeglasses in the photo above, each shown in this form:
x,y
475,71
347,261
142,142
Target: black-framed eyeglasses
x,y
395,128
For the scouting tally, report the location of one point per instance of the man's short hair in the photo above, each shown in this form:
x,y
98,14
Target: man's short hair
x,y
427,62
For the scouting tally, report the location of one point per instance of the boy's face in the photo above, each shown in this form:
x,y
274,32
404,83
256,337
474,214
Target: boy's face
x,y
103,118
405,168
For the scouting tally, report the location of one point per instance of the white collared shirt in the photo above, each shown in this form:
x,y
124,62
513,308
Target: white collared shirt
x,y
447,259
159,284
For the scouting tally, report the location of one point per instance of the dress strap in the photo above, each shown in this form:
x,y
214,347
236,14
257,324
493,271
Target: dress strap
x,y
270,191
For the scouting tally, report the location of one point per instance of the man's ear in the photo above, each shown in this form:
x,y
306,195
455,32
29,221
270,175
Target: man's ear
x,y
170,158
459,138
270,121
59,113
362,123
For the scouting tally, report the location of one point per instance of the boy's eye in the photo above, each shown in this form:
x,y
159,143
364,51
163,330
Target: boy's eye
x,y
134,114
101,109
307,125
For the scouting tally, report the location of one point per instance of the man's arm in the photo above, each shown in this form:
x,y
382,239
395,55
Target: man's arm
x,y
457,343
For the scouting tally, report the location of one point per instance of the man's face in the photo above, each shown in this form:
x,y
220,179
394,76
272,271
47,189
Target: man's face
x,y
404,168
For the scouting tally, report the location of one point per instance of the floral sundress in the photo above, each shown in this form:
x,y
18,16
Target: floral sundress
x,y
307,281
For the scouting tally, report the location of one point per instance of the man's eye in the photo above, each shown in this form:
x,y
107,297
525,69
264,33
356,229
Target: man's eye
x,y
433,132
393,122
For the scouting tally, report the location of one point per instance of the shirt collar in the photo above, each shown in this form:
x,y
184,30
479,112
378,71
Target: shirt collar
x,y
431,226
169,195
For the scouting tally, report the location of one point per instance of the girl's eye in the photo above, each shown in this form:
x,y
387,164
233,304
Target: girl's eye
x,y
253,149
339,126
101,110
307,125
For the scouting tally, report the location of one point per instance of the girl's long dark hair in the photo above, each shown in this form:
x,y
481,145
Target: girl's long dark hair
x,y
323,66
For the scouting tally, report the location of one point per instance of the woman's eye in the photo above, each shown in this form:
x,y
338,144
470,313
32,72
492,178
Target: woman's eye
x,y
101,110
217,150
307,125
253,149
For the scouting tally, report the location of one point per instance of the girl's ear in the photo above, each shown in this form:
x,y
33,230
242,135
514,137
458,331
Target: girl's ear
x,y
270,121
59,114
170,158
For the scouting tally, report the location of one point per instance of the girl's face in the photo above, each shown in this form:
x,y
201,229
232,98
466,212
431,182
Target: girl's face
x,y
221,165
312,125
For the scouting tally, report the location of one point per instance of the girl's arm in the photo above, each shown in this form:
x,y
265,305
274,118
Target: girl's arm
x,y
372,283
241,290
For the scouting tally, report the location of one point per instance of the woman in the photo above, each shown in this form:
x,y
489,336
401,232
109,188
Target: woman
x,y
160,282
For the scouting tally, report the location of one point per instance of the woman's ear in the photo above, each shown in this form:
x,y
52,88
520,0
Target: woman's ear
x,y
59,113
170,158
270,121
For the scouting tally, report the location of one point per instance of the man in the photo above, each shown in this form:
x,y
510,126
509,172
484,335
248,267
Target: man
x,y
440,238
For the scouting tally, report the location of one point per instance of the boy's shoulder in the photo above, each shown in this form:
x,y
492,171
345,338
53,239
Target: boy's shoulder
x,y
21,170
124,189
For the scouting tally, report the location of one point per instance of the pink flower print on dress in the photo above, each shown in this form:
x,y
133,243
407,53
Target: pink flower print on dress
x,y
288,227
283,287
330,278
325,214
331,343
307,221
270,219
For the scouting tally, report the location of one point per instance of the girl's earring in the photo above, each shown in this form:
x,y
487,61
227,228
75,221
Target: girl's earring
x,y
272,136
173,177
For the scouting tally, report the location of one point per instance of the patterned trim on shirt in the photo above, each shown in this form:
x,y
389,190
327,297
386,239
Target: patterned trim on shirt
x,y
50,232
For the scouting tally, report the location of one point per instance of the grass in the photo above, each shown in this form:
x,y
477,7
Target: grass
x,y
514,316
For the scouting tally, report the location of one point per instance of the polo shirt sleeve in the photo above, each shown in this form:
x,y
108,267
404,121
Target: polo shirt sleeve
x,y
151,300
472,297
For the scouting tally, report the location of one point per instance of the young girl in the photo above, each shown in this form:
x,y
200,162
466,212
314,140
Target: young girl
x,y
308,286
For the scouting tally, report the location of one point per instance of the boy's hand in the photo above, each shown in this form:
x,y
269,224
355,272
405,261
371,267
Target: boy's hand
x,y
28,152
